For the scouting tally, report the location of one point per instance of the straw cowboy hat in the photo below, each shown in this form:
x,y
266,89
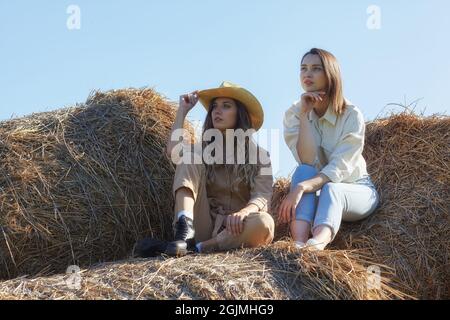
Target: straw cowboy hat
x,y
231,90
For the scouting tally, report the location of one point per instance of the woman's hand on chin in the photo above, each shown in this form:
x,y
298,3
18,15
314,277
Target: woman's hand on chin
x,y
311,99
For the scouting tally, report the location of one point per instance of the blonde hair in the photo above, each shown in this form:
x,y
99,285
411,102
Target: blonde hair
x,y
334,79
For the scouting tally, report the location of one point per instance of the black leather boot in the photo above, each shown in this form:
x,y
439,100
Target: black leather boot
x,y
184,237
150,247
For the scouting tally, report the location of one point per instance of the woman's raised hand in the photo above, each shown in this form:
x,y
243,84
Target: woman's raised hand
x,y
188,101
310,99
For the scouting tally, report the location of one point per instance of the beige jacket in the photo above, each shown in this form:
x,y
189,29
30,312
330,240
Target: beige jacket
x,y
226,200
339,141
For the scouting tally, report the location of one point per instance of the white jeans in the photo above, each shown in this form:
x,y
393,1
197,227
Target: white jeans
x,y
336,201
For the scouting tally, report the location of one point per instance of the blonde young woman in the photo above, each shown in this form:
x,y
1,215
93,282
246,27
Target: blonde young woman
x,y
325,133
219,206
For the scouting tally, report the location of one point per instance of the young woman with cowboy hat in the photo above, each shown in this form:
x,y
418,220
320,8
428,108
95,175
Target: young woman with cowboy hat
x,y
325,133
220,206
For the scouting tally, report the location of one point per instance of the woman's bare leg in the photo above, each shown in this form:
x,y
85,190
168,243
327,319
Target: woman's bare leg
x,y
300,230
184,200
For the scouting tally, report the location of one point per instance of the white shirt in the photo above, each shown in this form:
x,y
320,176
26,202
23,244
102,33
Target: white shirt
x,y
339,141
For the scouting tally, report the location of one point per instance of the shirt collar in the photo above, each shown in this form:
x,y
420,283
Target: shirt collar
x,y
329,115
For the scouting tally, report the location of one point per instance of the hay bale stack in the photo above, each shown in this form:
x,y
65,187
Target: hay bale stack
x,y
408,158
275,272
280,191
82,184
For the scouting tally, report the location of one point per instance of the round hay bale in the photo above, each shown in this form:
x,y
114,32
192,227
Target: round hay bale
x,y
278,271
82,184
408,157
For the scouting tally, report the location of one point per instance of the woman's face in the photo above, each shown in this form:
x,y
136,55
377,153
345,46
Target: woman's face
x,y
224,114
312,75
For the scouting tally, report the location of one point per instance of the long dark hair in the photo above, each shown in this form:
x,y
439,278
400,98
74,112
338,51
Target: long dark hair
x,y
244,172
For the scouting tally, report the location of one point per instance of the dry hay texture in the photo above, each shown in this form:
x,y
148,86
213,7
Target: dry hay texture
x,y
80,185
408,158
278,271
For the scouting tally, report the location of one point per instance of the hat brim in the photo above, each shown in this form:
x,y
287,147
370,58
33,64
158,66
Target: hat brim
x,y
250,102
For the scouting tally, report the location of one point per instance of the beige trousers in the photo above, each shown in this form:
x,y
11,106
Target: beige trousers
x,y
209,225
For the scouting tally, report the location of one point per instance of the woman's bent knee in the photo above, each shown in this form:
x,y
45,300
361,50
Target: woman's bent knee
x,y
260,229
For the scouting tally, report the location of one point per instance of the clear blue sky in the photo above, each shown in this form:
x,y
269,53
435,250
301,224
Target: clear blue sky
x,y
179,46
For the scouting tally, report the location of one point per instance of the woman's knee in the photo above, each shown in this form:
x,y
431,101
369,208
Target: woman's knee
x,y
330,187
261,221
331,195
190,169
260,229
188,176
351,216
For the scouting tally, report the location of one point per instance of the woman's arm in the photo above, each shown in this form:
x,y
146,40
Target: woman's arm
x,y
306,145
250,208
178,124
187,102
314,184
